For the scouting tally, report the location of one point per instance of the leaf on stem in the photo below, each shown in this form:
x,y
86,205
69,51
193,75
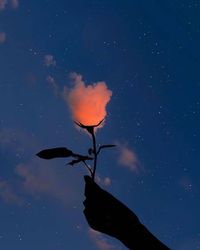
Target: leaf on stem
x,y
72,163
79,158
105,146
55,153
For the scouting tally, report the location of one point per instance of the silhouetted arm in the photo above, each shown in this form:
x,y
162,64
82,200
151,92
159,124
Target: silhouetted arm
x,y
106,214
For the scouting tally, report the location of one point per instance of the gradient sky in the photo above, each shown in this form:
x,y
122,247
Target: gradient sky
x,y
148,54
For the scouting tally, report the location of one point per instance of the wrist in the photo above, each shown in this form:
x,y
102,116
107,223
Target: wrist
x,y
139,238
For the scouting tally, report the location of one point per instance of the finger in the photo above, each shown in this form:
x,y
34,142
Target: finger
x,y
91,204
98,223
86,203
89,216
88,185
92,219
87,179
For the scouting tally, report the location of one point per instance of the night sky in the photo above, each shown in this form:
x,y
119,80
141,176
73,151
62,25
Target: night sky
x,y
147,53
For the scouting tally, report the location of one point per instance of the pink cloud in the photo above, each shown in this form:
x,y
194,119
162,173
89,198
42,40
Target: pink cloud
x,y
2,37
52,83
3,4
105,181
14,4
43,179
100,241
34,176
87,103
128,158
8,193
17,141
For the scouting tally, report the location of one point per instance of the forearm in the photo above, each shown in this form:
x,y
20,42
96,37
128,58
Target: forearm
x,y
137,237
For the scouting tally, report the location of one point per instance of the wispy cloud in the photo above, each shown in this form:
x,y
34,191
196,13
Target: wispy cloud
x,y
34,176
52,83
128,158
100,241
105,181
39,179
14,4
49,60
4,3
17,142
8,194
2,37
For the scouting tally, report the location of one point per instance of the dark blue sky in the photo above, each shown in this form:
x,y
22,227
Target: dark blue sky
x,y
148,54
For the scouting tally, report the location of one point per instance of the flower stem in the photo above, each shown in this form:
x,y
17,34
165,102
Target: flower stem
x,y
95,155
89,169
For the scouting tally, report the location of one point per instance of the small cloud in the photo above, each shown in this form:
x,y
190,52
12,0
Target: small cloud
x,y
14,4
50,80
39,179
49,60
3,4
52,83
106,181
32,175
128,158
17,141
2,37
100,241
8,193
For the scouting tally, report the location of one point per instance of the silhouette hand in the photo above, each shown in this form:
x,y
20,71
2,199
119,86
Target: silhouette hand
x,y
103,212
108,215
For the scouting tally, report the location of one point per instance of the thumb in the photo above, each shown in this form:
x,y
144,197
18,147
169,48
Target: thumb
x,y
91,188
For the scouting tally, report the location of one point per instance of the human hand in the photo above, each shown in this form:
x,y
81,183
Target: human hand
x,y
106,214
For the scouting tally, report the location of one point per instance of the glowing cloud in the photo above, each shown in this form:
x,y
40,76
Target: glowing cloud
x,y
100,241
2,37
37,179
32,177
128,158
87,103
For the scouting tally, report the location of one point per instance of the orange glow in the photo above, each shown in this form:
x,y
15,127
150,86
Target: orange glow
x,y
88,103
